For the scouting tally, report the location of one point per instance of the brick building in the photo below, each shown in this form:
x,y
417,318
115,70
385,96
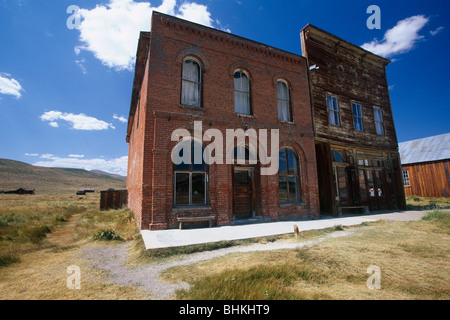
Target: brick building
x,y
356,144
188,74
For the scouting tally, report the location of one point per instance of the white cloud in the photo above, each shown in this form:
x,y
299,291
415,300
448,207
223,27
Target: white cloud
x,y
435,32
399,39
120,118
76,121
116,165
111,31
32,154
10,86
76,155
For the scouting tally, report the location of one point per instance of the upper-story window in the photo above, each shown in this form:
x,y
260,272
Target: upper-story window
x,y
333,110
191,84
284,103
357,117
241,93
379,123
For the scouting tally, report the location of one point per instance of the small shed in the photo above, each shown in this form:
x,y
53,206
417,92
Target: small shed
x,y
20,191
113,199
426,166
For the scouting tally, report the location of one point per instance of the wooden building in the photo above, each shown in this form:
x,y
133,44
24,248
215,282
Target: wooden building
x,y
426,166
356,145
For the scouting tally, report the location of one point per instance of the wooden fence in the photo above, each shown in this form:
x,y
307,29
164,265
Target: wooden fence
x,y
113,199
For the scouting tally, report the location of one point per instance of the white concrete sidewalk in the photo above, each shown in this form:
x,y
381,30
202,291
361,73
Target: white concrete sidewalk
x,y
177,238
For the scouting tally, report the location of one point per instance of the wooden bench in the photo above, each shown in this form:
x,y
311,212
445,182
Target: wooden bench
x,y
182,220
366,208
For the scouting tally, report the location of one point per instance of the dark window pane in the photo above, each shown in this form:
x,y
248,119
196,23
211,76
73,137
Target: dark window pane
x,y
283,188
198,163
292,162
198,188
292,189
182,188
362,184
182,148
342,182
282,162
241,178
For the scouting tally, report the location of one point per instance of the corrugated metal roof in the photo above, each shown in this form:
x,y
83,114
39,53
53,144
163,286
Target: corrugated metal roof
x,y
425,150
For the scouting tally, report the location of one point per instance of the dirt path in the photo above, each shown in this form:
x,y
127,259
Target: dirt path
x,y
64,237
112,260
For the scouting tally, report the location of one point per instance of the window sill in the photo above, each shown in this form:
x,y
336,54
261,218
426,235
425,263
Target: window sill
x,y
287,122
187,208
244,115
288,204
185,106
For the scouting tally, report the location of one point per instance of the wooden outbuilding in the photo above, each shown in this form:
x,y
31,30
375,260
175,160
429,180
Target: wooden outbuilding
x,y
426,166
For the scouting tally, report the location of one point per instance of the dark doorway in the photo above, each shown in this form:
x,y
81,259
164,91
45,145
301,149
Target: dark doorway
x,y
242,193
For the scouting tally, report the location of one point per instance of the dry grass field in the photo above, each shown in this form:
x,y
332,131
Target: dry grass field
x,y
42,235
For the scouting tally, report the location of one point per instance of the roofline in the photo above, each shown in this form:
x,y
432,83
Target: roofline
x,y
227,35
366,52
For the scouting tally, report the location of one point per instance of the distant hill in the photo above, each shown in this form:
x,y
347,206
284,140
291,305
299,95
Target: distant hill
x,y
16,174
117,176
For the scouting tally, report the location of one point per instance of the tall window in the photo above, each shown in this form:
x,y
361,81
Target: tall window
x,y
191,84
379,125
288,175
241,93
357,117
406,181
190,179
333,110
284,104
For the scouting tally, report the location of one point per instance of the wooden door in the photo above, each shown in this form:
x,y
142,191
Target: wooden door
x,y
242,193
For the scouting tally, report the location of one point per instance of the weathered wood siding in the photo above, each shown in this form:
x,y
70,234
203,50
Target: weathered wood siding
x,y
113,199
351,75
428,179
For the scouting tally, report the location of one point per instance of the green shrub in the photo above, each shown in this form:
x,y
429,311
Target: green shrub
x,y
107,235
36,234
7,259
436,215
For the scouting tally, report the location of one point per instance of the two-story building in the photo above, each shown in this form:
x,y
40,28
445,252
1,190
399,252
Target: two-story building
x,y
195,79
356,144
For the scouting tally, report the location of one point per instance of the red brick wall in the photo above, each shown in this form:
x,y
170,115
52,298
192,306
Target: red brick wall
x,y
150,176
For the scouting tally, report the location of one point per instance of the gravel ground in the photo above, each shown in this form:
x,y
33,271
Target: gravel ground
x,y
112,260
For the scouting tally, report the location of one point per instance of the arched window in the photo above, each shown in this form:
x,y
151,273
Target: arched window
x,y
284,103
241,93
191,175
288,176
336,156
191,83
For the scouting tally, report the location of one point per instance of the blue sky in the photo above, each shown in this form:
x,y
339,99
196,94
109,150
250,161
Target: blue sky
x,y
65,93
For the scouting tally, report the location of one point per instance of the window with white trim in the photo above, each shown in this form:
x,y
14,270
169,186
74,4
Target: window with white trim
x,y
333,110
379,123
